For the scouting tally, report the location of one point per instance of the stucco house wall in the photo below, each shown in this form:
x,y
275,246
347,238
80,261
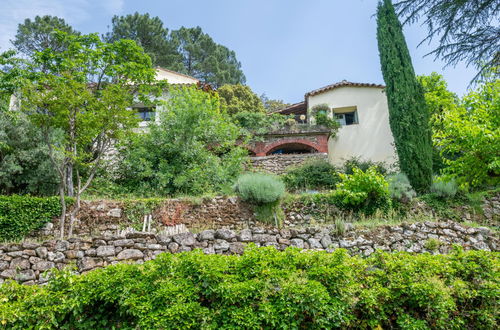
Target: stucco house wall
x,y
371,138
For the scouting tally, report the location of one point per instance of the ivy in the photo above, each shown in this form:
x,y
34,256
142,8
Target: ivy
x,y
19,215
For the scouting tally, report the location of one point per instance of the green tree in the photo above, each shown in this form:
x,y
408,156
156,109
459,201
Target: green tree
x,y
408,114
467,30
438,99
272,105
192,150
205,59
150,34
25,167
85,93
239,98
469,137
39,34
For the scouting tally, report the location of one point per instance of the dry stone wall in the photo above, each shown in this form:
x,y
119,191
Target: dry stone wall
x,y
278,164
30,262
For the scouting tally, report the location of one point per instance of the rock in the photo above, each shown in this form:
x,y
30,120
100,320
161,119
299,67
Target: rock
x,y
30,245
20,263
163,239
264,238
61,245
236,248
130,254
139,234
173,247
8,273
99,242
184,239
41,252
4,265
105,251
15,254
209,250
297,242
185,249
115,213
258,230
74,254
314,243
225,234
58,257
124,242
449,232
245,235
285,233
26,275
221,245
207,235
368,251
43,266
326,241
88,263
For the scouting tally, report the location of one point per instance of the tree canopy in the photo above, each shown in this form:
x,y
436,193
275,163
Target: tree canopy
x,y
39,34
467,30
408,114
239,98
150,34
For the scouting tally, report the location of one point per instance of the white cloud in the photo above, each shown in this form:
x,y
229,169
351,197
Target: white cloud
x,y
73,11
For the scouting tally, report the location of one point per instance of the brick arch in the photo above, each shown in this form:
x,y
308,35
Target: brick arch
x,y
282,143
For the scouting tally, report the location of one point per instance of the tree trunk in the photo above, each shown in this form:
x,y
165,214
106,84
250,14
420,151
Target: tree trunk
x,y
62,219
76,209
69,180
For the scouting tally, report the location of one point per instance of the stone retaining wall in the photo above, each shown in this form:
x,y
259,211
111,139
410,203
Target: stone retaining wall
x,y
27,262
278,164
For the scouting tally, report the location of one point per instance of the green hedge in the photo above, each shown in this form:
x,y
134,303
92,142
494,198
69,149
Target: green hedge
x,y
267,289
19,215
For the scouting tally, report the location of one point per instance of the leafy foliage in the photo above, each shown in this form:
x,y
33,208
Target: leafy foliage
x,y
315,174
19,215
24,164
239,98
254,123
39,34
272,105
467,30
469,137
400,187
444,187
363,192
259,188
149,33
408,114
356,162
192,150
265,288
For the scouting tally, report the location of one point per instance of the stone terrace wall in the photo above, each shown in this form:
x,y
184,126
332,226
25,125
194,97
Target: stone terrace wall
x,y
27,262
278,164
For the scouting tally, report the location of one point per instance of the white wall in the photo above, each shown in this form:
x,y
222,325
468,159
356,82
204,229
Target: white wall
x,y
174,77
371,139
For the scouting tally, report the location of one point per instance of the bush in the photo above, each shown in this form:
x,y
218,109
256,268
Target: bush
x,y
444,187
259,188
363,165
400,188
19,215
363,192
316,174
267,289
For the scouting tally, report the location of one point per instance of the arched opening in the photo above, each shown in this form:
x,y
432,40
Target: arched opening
x,y
291,149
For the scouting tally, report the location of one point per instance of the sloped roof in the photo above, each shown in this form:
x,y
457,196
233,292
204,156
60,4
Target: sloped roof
x,y
297,108
343,83
195,80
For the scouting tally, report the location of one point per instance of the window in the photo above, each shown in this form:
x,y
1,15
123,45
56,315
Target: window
x,y
146,113
347,118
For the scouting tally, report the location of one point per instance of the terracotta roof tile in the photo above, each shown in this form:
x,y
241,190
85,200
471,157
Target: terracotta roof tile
x,y
343,83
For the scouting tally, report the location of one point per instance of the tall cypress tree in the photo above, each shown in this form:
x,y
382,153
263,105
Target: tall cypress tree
x,y
408,113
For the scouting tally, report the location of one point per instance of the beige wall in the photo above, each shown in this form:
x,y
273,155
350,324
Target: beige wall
x,y
371,139
173,77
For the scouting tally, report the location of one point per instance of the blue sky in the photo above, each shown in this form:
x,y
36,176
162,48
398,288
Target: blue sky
x,y
286,47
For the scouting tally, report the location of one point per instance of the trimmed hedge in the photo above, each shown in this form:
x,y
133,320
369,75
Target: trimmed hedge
x,y
266,288
19,215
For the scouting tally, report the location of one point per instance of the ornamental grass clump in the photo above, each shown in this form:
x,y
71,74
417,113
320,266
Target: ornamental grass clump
x,y
265,191
400,188
444,188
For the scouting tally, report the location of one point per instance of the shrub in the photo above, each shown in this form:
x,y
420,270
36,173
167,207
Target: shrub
x,y
355,162
265,191
316,174
267,289
259,188
363,191
19,215
400,188
444,187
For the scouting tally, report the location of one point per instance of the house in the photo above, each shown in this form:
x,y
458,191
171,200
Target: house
x,y
361,110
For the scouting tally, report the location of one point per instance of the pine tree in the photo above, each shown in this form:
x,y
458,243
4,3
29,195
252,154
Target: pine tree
x,y
408,113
